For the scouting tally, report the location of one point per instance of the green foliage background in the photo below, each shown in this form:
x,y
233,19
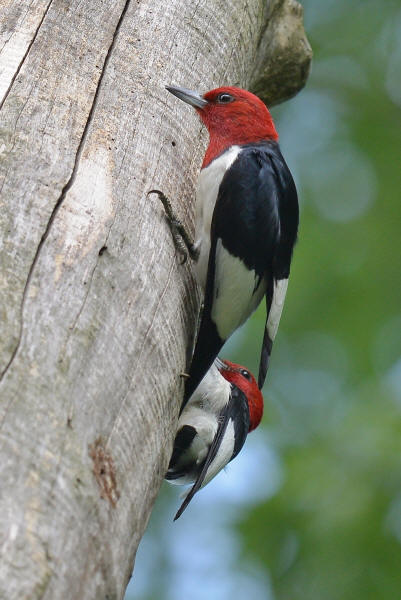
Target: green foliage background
x,y
330,526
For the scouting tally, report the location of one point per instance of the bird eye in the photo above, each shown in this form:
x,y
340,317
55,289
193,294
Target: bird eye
x,y
245,374
224,98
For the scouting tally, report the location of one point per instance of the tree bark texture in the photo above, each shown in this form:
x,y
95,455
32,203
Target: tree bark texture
x,y
96,314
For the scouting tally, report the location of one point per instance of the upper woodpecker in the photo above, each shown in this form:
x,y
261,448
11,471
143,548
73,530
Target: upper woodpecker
x,y
246,222
212,429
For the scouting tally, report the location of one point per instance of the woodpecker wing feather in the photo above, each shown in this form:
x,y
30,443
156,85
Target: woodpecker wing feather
x,y
253,232
287,205
236,415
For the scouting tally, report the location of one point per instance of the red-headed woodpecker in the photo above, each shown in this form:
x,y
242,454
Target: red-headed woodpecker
x,y
246,223
213,427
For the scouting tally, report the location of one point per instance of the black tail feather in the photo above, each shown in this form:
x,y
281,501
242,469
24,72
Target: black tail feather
x,y
264,358
267,343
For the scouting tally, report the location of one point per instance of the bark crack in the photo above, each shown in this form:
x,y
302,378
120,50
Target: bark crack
x,y
88,288
67,186
25,55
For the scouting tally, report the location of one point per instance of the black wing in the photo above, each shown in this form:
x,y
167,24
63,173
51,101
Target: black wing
x,y
238,411
287,204
184,438
255,195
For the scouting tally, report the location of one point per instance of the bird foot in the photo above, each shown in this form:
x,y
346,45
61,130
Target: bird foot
x,y
181,238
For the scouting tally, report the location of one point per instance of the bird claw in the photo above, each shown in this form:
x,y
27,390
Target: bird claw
x,y
182,240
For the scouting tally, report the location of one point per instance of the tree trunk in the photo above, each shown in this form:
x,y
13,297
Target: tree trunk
x,y
96,312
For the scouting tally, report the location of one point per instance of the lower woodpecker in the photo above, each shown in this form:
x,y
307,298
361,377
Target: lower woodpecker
x,y
212,429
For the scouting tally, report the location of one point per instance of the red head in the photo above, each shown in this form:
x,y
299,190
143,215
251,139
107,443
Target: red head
x,y
232,116
246,382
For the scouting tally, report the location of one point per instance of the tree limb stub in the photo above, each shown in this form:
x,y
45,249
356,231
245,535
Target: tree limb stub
x,y
96,313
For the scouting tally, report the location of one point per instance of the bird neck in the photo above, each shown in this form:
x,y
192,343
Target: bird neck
x,y
220,141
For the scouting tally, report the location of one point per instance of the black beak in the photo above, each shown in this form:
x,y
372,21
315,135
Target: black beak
x,y
188,96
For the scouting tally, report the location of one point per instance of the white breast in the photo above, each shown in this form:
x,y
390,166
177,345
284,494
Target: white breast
x,y
206,196
212,394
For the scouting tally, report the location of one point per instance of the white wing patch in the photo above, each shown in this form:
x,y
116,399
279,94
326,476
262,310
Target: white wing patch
x,y
223,455
280,290
234,299
206,427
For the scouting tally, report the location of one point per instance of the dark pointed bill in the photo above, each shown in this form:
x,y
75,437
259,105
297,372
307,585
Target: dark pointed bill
x,y
188,96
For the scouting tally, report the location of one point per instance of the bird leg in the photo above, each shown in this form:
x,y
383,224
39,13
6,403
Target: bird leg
x,y
181,238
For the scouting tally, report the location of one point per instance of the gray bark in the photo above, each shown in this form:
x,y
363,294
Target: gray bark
x,y
96,312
